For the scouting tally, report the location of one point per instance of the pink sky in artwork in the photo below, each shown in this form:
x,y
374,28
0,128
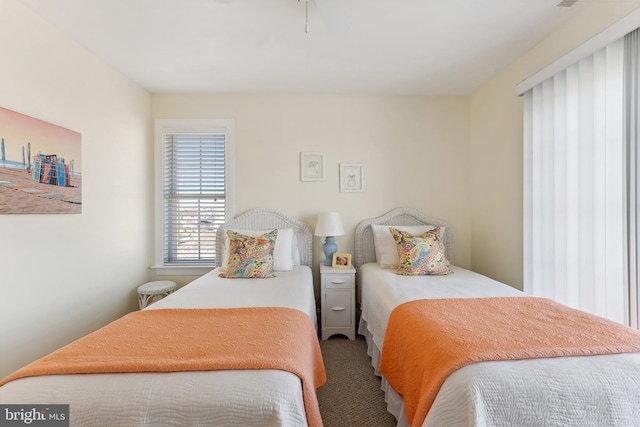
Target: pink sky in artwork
x,y
18,130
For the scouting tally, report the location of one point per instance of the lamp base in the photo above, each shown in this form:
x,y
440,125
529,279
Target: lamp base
x,y
329,248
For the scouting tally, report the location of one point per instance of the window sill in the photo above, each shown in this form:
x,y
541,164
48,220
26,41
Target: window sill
x,y
182,270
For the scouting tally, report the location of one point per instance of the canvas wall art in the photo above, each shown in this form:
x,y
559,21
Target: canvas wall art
x,y
40,166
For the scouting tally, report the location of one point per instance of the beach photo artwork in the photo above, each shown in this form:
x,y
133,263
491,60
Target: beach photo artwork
x,y
40,166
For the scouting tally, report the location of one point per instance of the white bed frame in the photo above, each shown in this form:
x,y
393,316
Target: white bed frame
x,y
268,219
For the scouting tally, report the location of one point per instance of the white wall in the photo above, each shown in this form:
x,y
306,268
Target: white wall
x,y
63,276
414,149
496,146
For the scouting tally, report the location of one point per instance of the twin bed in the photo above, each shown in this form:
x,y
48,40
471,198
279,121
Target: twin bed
x,y
401,316
274,391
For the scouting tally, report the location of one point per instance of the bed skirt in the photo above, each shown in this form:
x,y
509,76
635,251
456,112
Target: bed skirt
x,y
395,404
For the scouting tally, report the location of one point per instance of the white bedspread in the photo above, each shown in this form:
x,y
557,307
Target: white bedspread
x,y
293,289
571,391
229,398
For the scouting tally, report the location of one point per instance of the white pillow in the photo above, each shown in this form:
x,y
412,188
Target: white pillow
x,y
295,254
282,252
385,246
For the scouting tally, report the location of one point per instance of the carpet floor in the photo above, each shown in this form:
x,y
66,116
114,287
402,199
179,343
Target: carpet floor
x,y
352,396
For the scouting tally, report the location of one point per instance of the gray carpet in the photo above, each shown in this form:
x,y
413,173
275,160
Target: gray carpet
x,y
352,396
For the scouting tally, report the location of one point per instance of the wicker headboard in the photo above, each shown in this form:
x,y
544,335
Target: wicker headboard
x,y
365,250
268,219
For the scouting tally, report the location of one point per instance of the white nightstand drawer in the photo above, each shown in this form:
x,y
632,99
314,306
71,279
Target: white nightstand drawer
x,y
338,307
337,281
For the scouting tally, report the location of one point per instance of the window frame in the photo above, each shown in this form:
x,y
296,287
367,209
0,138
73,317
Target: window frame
x,y
161,127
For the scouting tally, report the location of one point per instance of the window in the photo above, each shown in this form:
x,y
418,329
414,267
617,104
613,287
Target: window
x,y
194,192
580,184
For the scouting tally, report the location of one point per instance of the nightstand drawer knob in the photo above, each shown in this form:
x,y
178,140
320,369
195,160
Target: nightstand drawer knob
x,y
337,308
338,282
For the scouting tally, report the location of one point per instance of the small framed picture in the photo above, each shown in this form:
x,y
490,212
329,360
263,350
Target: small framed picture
x,y
351,177
312,166
341,261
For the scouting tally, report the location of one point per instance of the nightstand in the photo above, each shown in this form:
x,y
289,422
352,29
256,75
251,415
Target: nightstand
x,y
337,299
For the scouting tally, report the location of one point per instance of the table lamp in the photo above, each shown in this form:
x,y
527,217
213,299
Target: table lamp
x,y
329,224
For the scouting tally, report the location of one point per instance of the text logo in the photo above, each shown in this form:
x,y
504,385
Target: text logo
x,y
34,415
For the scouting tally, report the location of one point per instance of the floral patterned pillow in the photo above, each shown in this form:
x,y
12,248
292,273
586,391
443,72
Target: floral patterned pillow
x,y
420,255
250,257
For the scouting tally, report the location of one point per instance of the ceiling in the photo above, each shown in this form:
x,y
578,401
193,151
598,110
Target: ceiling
x,y
436,47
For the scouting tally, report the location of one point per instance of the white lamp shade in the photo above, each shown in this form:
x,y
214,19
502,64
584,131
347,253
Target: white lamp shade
x,y
329,224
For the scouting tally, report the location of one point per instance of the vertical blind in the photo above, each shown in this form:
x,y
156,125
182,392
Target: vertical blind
x,y
632,129
574,186
194,196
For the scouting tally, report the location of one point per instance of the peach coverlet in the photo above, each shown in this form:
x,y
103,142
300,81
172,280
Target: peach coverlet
x,y
427,340
169,340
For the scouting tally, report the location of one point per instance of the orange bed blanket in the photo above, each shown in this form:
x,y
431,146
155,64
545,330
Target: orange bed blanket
x,y
427,340
169,340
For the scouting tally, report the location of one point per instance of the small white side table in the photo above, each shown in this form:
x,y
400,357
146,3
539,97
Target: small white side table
x,y
337,291
153,291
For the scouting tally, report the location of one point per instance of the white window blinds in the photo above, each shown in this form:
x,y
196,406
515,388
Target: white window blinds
x,y
194,192
632,131
194,195
574,184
